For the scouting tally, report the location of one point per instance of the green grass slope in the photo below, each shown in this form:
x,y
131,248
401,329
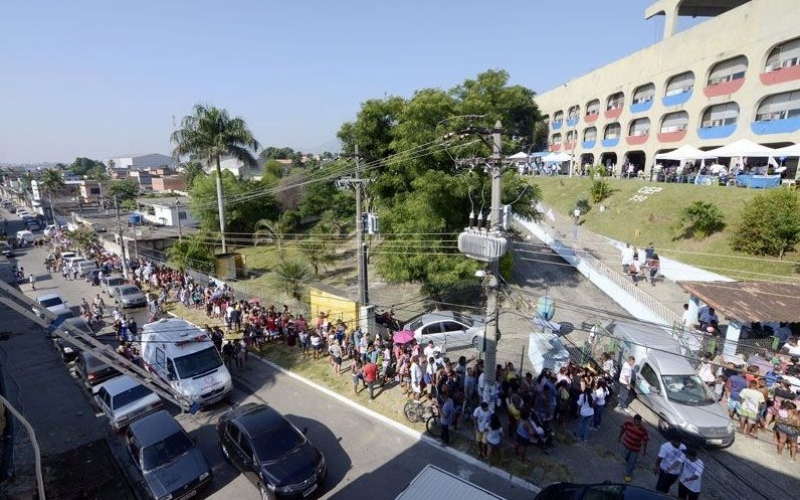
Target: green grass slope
x,y
651,217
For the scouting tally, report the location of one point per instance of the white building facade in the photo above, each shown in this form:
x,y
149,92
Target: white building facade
x,y
167,211
734,76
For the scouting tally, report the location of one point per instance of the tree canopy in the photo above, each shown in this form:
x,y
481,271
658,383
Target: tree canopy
x,y
83,165
126,189
423,186
243,207
769,225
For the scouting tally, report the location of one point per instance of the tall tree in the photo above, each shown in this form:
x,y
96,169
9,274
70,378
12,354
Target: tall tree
x,y
208,135
246,203
124,190
193,252
191,171
418,182
52,181
276,231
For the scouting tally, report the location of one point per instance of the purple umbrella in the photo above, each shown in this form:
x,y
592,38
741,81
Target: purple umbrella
x,y
403,337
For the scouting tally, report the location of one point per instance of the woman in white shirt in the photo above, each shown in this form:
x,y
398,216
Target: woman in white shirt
x,y
600,394
586,412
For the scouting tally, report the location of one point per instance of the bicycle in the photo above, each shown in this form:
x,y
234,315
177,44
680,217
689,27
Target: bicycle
x,y
418,411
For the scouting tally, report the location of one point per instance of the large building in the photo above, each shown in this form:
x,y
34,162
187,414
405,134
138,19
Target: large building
x,y
735,75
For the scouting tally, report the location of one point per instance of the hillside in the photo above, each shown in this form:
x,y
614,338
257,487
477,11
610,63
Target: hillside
x,y
639,213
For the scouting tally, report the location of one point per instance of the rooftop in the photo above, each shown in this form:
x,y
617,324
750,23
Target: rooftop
x,y
750,300
164,202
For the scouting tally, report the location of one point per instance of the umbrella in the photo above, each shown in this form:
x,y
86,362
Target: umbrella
x,y
403,337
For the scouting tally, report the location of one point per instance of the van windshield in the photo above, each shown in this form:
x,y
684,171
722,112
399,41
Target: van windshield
x,y
198,363
688,390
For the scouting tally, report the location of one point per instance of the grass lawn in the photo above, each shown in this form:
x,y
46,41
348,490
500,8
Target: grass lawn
x,y
389,401
651,219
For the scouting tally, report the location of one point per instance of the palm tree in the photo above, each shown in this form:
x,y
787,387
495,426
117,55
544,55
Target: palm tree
x,y
192,252
317,252
275,231
292,276
210,133
52,181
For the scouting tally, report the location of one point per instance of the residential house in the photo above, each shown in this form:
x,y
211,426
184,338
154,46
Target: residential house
x,y
167,211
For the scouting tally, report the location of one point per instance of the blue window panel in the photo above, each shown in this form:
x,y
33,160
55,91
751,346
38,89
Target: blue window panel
x,y
788,126
641,107
588,144
674,100
716,132
610,143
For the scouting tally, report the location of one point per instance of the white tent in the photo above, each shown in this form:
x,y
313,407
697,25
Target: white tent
x,y
519,156
556,157
743,147
685,152
789,151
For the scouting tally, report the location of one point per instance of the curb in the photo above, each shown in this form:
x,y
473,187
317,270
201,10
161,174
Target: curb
x,y
502,474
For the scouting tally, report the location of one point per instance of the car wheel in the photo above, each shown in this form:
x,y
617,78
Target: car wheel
x,y
266,494
475,340
663,426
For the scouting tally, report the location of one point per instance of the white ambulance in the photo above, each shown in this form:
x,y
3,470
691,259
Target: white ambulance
x,y
182,355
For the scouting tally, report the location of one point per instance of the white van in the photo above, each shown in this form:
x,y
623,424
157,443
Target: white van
x,y
667,384
25,236
182,355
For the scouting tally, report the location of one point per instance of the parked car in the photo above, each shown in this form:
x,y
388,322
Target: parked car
x,y
129,296
85,266
7,250
271,452
446,328
92,370
124,400
109,283
70,349
170,462
12,209
604,491
51,302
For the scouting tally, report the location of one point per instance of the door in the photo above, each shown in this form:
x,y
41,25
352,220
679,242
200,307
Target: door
x,y
455,333
249,465
433,331
650,390
232,445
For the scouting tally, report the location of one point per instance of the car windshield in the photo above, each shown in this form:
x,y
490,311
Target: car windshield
x,y
276,442
115,281
131,291
688,390
165,451
55,301
135,393
198,363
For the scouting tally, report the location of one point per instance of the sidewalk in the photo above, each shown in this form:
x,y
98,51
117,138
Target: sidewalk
x,y
599,256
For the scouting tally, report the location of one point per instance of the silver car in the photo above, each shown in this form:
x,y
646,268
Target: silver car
x,y
447,328
129,296
109,283
123,400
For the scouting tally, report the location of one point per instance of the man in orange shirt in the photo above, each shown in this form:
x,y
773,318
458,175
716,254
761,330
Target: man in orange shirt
x,y
370,372
633,436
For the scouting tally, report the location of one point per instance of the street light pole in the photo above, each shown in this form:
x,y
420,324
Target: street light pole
x,y
178,215
363,279
121,240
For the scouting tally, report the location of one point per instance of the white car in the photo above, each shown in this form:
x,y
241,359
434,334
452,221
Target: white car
x,y
123,400
447,328
54,303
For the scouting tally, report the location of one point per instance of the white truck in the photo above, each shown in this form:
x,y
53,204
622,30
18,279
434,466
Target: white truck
x,y
435,483
182,355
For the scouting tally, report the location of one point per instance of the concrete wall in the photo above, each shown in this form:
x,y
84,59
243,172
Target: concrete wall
x,y
751,30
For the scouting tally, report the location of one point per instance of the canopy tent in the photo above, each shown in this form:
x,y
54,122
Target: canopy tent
x,y
519,156
793,150
540,154
743,147
556,157
685,152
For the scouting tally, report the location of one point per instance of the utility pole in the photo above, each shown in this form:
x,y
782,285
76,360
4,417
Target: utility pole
x,y
178,215
363,280
121,240
488,246
221,207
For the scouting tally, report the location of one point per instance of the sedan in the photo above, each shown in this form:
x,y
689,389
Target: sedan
x,y
53,303
7,250
109,283
275,456
172,465
129,296
69,349
447,328
123,401
606,491
92,370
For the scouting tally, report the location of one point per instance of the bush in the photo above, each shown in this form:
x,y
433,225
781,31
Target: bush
x,y
583,205
700,220
770,224
599,190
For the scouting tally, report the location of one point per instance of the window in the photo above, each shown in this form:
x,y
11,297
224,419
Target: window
x,y
181,215
94,190
615,101
779,107
679,84
590,134
644,93
556,139
161,358
720,115
558,116
572,136
244,444
452,326
784,55
675,122
573,112
727,71
649,375
639,127
233,432
593,107
432,329
613,131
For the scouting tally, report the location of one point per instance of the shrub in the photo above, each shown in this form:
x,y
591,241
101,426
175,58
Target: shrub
x,y
700,220
770,224
583,205
599,190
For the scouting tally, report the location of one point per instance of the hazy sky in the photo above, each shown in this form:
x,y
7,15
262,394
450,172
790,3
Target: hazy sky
x,y
105,78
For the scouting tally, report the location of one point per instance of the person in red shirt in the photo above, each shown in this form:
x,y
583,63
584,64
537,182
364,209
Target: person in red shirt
x,y
370,372
633,436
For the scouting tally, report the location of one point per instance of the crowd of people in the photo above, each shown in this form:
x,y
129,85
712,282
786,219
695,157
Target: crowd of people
x,y
641,265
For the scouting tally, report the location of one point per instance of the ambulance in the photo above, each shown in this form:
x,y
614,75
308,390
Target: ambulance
x,y
182,355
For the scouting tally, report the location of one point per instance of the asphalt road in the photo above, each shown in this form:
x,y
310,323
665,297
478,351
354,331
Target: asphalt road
x,y
365,456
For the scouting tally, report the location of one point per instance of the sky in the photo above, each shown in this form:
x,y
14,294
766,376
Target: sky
x,y
101,79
